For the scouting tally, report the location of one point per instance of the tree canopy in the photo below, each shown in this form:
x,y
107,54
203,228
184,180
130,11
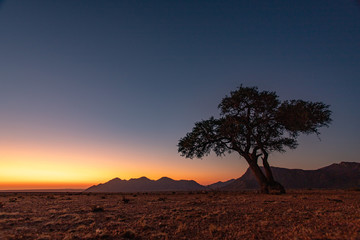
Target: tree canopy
x,y
255,123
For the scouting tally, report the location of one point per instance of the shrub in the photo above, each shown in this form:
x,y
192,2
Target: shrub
x,y
129,234
125,200
97,208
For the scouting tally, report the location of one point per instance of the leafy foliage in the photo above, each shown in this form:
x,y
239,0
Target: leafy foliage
x,y
298,116
254,123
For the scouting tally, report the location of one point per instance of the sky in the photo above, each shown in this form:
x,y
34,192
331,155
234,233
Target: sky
x,y
93,90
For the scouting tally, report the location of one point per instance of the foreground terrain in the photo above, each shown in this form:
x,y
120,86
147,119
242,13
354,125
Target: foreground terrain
x,y
309,214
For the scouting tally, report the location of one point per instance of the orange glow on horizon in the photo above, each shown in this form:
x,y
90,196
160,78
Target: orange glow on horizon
x,y
54,166
28,185
42,185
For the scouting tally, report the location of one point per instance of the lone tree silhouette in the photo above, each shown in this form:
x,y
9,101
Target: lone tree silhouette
x,y
255,123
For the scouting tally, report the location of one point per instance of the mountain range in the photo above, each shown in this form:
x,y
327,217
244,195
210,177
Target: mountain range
x,y
335,176
144,184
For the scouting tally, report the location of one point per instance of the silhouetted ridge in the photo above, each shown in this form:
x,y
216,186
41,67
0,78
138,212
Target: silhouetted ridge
x,y
115,180
335,176
219,185
165,179
144,184
140,179
338,175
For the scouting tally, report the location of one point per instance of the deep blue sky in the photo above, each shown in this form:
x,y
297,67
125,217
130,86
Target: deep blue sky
x,y
140,73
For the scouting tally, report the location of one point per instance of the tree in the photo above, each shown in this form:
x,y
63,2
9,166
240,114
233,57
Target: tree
x,y
254,124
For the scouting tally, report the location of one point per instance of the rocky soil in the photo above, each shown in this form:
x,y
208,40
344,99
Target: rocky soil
x,y
310,214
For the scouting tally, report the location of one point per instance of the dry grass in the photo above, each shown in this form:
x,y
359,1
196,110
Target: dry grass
x,y
296,215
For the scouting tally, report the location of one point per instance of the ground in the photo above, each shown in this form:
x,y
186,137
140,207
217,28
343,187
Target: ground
x,y
305,214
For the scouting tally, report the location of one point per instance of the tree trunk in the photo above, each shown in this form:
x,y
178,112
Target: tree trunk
x,y
259,175
272,183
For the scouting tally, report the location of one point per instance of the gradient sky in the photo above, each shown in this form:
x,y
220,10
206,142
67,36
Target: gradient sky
x,y
92,90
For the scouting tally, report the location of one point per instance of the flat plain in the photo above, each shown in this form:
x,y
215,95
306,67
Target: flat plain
x,y
299,214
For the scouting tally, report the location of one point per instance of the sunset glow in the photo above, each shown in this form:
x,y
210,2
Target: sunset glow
x,y
26,165
93,90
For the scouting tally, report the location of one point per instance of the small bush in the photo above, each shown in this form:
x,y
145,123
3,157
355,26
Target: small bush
x,y
125,200
97,209
162,199
129,234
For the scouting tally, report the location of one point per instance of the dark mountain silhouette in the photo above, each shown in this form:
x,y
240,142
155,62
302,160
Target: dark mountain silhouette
x,y
144,184
220,184
337,175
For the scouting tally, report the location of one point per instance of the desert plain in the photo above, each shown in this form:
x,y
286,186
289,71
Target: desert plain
x,y
299,214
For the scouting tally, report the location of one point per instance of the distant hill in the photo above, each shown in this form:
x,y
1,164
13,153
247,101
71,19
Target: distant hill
x,y
336,176
144,184
219,184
